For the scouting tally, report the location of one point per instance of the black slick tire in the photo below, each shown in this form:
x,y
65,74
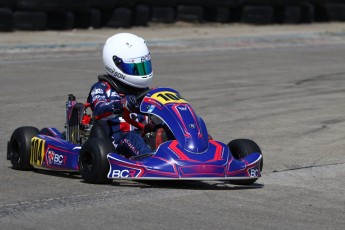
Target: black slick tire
x,y
19,147
93,162
240,148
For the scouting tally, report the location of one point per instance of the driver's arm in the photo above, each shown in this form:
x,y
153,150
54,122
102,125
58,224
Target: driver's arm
x,y
104,102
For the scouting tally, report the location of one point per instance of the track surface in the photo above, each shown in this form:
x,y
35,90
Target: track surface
x,y
289,99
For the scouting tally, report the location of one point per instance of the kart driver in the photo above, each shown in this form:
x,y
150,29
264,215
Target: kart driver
x,y
127,63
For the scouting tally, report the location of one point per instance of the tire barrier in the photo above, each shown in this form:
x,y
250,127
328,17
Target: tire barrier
x,y
6,19
64,20
190,13
336,11
141,15
89,18
120,17
27,20
69,14
257,15
163,14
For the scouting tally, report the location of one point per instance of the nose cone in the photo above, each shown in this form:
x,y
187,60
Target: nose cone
x,y
195,132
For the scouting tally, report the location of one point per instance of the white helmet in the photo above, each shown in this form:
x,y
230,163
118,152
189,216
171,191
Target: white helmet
x,y
127,59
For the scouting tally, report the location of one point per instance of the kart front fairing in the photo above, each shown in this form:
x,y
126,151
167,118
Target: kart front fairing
x,y
189,129
191,156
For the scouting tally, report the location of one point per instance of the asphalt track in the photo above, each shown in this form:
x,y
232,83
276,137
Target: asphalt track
x,y
288,96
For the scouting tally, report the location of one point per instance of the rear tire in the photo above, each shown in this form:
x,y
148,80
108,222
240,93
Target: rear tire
x,y
240,148
19,147
93,162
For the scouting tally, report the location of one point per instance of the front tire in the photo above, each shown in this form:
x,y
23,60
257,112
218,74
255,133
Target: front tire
x,y
240,148
93,162
19,147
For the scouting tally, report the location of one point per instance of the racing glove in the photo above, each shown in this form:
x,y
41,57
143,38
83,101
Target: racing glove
x,y
130,103
149,127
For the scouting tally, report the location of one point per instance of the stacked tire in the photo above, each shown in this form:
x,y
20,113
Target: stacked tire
x,y
277,11
6,19
69,14
6,15
335,10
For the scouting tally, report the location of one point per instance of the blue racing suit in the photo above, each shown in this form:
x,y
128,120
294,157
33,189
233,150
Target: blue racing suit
x,y
106,104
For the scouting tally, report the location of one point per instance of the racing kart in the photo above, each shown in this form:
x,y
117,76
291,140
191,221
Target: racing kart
x,y
182,147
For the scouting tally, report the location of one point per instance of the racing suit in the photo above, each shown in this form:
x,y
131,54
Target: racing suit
x,y
106,104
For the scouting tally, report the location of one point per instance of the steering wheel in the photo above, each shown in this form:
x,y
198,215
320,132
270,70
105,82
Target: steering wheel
x,y
126,112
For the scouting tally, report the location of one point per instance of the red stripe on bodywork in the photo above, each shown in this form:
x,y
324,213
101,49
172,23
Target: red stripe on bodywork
x,y
177,151
219,150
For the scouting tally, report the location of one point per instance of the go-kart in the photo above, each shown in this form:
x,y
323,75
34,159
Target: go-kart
x,y
182,147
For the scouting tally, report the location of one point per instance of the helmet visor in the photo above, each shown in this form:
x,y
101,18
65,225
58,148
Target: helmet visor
x,y
140,66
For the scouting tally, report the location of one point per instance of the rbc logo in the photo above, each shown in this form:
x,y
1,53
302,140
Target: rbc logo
x,y
123,173
56,159
253,172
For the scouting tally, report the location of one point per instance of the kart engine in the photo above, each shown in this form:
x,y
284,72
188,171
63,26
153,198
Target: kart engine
x,y
76,132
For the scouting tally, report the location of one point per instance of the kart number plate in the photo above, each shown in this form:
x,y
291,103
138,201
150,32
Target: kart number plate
x,y
37,151
166,97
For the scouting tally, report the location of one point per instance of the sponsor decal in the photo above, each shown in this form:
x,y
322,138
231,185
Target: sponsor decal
x,y
253,172
98,98
123,173
114,73
146,58
151,108
56,159
118,75
109,69
114,94
96,91
130,146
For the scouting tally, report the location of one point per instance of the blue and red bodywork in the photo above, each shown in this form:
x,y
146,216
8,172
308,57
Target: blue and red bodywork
x,y
50,151
192,155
